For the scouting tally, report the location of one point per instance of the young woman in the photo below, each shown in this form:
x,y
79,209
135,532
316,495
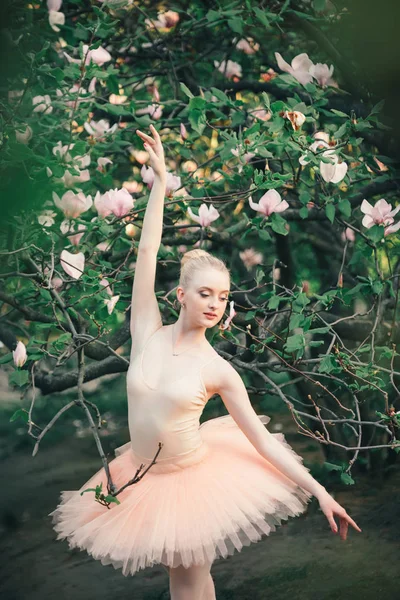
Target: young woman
x,y
213,488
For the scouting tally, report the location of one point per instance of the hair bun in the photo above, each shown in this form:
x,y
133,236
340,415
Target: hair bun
x,y
193,254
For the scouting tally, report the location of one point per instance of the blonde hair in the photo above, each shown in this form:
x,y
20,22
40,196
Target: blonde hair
x,y
197,259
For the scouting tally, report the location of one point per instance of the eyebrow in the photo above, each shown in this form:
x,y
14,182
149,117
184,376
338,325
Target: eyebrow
x,y
211,290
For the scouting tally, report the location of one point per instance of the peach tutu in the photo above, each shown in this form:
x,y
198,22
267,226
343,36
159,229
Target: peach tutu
x,y
188,509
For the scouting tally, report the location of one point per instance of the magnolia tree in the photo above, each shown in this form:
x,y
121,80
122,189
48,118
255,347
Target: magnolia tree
x,y
274,164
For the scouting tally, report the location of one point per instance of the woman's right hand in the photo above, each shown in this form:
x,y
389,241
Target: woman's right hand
x,y
155,149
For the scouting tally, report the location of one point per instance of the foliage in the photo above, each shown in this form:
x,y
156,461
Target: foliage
x,y
315,283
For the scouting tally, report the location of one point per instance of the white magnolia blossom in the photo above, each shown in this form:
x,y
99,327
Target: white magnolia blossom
x,y
20,355
42,104
24,136
56,18
73,264
332,172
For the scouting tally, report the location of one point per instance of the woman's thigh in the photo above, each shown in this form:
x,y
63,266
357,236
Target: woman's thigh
x,y
188,583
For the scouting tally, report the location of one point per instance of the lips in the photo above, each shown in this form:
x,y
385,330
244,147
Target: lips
x,y
210,314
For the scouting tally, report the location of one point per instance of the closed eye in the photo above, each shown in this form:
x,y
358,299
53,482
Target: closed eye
x,y
206,296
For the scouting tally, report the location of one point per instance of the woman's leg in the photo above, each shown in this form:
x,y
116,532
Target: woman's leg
x,y
209,590
190,583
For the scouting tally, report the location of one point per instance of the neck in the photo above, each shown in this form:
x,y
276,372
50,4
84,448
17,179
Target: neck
x,y
188,332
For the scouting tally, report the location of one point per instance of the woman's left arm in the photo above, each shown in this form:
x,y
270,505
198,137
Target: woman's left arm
x,y
235,397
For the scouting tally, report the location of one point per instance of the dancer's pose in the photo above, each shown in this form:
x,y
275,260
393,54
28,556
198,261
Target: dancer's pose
x,y
213,488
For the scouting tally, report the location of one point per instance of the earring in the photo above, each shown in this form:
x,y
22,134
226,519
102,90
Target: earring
x,y
184,305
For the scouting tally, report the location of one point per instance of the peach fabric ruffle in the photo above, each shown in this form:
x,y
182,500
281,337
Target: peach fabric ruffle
x,y
188,509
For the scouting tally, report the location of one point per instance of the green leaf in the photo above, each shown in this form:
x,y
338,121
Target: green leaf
x,y
303,212
236,25
332,467
20,413
265,97
220,95
327,364
319,5
376,233
186,90
295,342
19,377
346,478
6,358
345,207
278,224
330,212
273,302
339,113
261,16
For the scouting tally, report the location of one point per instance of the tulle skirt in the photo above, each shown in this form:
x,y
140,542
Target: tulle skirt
x,y
188,510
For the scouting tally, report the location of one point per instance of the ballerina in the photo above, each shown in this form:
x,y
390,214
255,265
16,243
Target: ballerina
x,y
212,488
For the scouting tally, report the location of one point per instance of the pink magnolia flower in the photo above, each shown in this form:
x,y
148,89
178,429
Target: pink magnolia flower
x,y
20,354
349,235
23,137
173,182
299,68
323,74
69,180
109,302
117,99
184,133
165,20
73,264
147,174
229,68
71,204
207,214
380,214
98,55
99,129
251,258
261,113
391,229
116,202
107,286
68,227
102,162
248,46
42,104
295,117
54,4
269,203
153,110
232,313
332,172
56,283
239,152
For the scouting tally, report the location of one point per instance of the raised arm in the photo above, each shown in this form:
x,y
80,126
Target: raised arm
x,y
145,314
234,395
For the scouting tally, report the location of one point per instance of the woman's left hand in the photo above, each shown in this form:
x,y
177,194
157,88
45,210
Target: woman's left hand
x,y
330,507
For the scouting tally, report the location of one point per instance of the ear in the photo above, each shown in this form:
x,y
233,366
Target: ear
x,y
179,293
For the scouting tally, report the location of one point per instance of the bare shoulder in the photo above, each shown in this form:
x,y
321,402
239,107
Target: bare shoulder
x,y
219,375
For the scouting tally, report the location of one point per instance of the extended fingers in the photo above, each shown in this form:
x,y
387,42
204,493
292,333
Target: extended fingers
x,y
153,140
144,136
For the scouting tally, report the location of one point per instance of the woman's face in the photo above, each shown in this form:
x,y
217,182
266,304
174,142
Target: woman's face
x,y
207,293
